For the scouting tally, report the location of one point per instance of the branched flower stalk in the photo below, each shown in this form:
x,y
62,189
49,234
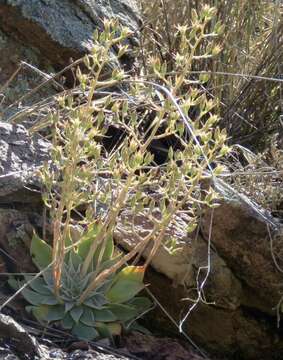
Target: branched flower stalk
x,y
98,181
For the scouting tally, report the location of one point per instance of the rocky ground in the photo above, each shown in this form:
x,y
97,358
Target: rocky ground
x,y
29,342
244,285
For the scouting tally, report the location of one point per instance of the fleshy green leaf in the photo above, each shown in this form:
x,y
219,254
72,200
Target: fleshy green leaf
x,y
135,307
109,263
56,312
123,290
96,302
73,258
126,284
67,322
88,317
86,241
104,315
69,305
48,278
84,332
41,252
123,312
39,312
76,313
35,298
108,251
38,285
48,313
104,331
84,246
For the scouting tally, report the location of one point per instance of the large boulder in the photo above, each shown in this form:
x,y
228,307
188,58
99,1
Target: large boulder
x,y
236,314
40,37
63,29
249,240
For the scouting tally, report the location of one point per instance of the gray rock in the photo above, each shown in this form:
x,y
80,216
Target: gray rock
x,y
20,157
241,236
16,341
12,55
93,355
22,341
62,29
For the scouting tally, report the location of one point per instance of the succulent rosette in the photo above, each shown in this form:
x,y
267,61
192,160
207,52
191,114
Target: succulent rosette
x,y
105,311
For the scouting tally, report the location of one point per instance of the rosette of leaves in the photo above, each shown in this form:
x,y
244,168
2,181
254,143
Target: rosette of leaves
x,y
106,310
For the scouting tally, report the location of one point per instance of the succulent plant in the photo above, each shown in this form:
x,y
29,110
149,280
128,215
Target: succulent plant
x,y
104,312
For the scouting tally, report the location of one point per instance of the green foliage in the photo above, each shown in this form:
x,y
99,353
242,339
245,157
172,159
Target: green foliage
x,y
85,172
105,310
80,127
41,252
86,290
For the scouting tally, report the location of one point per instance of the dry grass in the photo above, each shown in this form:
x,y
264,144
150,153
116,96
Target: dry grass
x,y
251,44
251,108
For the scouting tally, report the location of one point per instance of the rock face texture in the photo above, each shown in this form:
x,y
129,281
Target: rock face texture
x,y
237,312
12,330
247,242
63,29
20,157
48,35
